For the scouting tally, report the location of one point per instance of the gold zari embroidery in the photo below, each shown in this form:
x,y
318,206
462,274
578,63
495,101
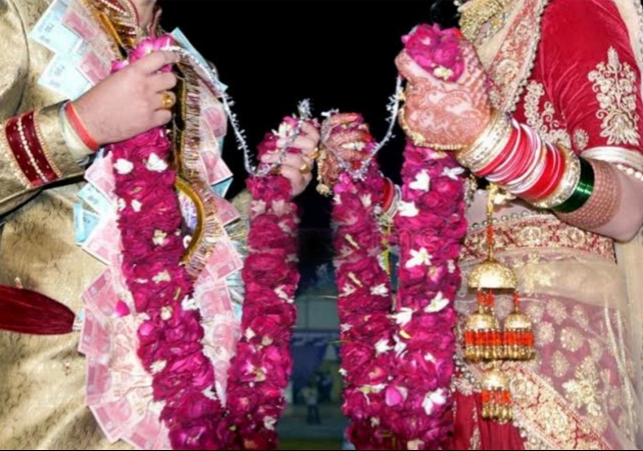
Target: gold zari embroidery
x,y
543,121
615,88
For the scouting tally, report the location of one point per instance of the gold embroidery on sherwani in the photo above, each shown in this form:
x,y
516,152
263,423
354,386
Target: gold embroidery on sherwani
x,y
543,120
615,88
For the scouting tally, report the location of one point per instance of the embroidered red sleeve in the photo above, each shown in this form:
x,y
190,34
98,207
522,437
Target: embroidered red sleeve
x,y
587,69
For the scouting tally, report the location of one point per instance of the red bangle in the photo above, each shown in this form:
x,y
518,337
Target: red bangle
x,y
553,177
79,127
515,134
521,159
388,194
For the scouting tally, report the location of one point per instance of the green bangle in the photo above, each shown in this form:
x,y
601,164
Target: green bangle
x,y
583,190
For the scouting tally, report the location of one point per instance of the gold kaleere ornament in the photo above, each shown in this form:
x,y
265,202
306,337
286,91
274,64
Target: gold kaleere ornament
x,y
519,335
496,396
485,340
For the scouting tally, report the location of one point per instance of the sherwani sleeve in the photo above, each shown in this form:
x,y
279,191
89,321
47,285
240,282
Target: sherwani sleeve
x,y
33,150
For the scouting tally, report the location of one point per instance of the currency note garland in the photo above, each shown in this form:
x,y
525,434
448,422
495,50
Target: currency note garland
x,y
171,335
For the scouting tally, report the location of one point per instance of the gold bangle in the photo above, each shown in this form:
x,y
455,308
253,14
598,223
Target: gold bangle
x,y
488,145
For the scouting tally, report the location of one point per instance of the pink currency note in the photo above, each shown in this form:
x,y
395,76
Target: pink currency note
x,y
101,295
101,176
99,383
115,418
226,211
225,260
94,336
212,296
93,67
104,241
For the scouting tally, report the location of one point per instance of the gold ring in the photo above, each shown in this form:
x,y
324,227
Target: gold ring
x,y
305,169
316,153
168,101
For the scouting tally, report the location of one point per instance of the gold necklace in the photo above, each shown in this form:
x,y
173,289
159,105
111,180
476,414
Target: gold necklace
x,y
475,14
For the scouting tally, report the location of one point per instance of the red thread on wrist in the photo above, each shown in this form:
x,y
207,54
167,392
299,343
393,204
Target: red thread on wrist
x,y
80,128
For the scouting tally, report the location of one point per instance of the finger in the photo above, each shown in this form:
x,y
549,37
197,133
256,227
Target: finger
x,y
310,131
154,62
161,117
295,177
297,162
160,98
410,70
163,82
300,142
272,157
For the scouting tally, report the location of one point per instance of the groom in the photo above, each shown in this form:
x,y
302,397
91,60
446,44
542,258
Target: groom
x,y
45,146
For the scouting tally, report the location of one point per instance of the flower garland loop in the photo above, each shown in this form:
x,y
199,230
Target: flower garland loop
x,y
171,335
398,350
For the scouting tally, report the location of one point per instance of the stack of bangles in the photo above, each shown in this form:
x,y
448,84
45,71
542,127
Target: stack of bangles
x,y
547,176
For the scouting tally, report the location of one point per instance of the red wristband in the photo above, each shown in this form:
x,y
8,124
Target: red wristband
x,y
79,127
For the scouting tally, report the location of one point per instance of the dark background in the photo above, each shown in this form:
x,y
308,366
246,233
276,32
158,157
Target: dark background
x,y
273,54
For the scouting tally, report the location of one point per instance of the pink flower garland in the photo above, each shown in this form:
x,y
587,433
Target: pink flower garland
x,y
364,304
398,367
171,335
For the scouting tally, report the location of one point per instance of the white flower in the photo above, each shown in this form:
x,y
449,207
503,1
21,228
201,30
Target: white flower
x,y
419,258
367,200
123,166
250,334
375,422
210,394
382,347
189,303
453,173
380,290
283,295
158,366
343,372
408,209
166,313
400,346
159,238
337,199
186,241
452,266
444,73
280,207
122,205
438,304
415,444
422,182
269,423
436,398
155,164
258,207
430,358
136,206
162,277
404,316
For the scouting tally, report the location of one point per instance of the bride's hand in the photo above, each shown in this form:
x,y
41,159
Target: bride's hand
x,y
439,113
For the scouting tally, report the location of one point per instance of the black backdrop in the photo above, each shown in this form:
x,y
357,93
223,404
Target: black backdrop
x,y
274,53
